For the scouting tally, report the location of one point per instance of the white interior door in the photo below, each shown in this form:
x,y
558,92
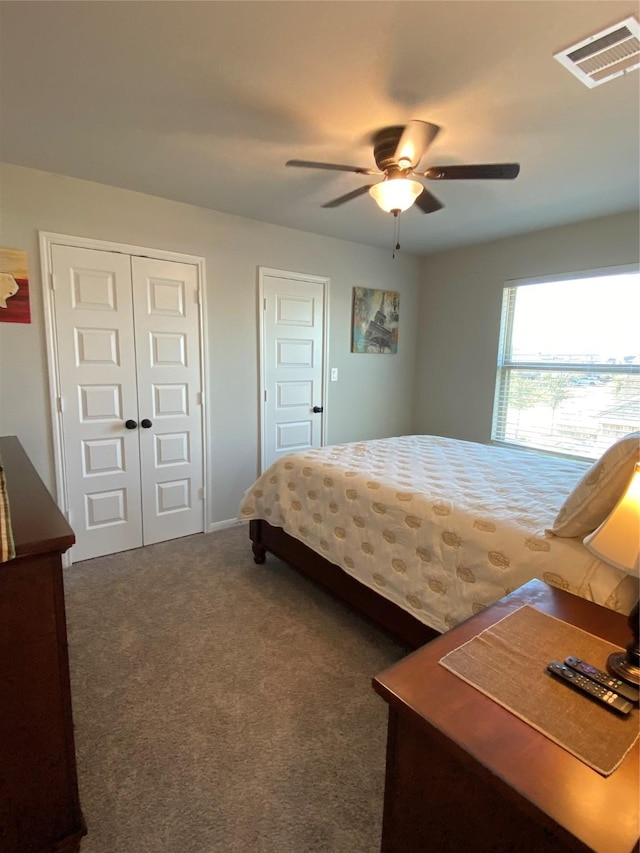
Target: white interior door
x,y
128,349
293,362
96,360
167,322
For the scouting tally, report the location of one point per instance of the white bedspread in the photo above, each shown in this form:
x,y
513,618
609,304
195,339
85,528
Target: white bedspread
x,y
439,526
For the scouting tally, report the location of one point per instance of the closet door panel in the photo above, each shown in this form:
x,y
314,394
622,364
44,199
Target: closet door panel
x,y
168,373
96,367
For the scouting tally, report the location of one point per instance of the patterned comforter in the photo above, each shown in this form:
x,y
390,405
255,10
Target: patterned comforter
x,y
439,526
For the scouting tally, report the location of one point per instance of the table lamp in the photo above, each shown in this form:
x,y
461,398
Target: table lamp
x,y
617,542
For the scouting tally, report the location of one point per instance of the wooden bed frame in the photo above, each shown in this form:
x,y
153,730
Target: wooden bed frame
x,y
384,613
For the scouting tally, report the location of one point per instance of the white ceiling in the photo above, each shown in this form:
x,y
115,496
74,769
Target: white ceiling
x,y
204,102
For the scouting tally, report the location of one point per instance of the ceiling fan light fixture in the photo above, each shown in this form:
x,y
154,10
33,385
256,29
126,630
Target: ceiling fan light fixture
x,y
395,194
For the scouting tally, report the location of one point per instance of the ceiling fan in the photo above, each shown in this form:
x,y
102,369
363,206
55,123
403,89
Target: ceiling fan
x,y
397,151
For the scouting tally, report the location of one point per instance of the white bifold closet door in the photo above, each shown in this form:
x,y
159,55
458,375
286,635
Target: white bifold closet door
x,y
127,332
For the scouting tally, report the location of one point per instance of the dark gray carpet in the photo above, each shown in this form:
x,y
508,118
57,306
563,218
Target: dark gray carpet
x,y
222,707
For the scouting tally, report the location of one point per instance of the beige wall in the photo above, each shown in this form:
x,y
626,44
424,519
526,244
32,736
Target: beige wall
x,y
441,381
374,394
460,307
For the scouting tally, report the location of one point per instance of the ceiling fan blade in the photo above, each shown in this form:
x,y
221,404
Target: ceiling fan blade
x,y
348,196
427,202
416,138
500,171
332,167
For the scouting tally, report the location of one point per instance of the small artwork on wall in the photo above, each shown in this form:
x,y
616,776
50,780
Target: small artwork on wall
x,y
14,287
376,317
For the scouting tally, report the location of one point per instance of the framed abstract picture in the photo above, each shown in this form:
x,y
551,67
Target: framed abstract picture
x,y
376,318
14,287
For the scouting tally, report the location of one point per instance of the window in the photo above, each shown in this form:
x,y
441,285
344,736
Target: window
x,y
569,362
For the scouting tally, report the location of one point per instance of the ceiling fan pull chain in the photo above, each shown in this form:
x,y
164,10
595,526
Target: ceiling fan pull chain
x,y
396,214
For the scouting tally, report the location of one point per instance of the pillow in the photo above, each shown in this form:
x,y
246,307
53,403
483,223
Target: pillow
x,y
598,491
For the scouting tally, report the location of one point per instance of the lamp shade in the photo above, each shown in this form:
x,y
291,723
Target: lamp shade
x,y
396,194
617,540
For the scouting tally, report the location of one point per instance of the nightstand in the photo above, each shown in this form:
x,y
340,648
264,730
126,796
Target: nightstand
x,y
464,774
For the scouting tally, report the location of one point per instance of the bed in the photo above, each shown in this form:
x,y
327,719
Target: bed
x,y
421,532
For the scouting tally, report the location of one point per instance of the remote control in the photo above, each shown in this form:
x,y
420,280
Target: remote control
x,y
628,691
591,688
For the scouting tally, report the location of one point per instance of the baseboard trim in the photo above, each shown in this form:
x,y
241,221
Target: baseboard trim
x,y
222,525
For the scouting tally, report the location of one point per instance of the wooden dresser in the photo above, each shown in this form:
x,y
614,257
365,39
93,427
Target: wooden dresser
x,y
39,803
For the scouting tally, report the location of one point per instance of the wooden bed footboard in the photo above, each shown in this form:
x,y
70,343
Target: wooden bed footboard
x,y
393,619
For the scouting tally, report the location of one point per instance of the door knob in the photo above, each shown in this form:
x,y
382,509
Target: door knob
x,y
130,424
145,423
318,409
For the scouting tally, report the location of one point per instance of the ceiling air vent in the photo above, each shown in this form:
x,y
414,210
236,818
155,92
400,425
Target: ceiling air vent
x,y
605,55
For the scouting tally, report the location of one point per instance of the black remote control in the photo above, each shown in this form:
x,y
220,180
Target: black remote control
x,y
620,687
591,688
